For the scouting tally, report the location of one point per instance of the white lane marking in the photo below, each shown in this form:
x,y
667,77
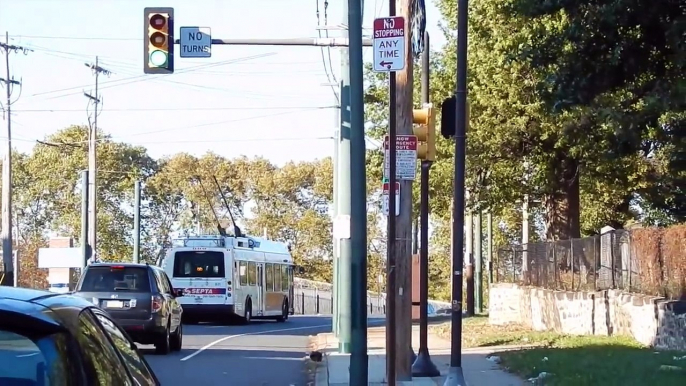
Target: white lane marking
x,y
216,342
27,355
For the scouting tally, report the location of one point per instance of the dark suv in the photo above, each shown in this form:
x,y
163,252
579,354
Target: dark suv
x,y
140,298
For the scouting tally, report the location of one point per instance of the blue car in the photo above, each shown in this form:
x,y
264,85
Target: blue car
x,y
49,339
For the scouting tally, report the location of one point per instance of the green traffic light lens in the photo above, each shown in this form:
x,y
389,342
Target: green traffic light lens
x,y
158,58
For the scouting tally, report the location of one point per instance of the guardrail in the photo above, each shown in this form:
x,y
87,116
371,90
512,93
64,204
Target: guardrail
x,y
315,298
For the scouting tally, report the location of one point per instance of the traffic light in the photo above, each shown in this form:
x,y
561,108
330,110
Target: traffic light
x,y
425,132
158,44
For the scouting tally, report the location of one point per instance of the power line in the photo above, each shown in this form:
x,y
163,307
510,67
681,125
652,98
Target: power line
x,y
196,126
145,77
185,109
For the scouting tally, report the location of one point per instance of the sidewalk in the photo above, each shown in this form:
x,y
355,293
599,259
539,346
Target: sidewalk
x,y
478,370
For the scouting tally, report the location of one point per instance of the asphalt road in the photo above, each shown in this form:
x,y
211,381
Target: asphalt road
x,y
262,353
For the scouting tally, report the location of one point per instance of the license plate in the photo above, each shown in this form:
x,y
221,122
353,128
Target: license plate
x,y
114,304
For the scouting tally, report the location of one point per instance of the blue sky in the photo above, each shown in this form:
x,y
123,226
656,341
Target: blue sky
x,y
254,101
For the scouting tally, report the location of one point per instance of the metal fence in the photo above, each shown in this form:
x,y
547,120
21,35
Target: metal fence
x,y
322,304
600,262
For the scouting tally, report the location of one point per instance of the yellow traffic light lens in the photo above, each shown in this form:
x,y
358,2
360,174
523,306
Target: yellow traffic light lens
x,y
157,21
158,39
158,58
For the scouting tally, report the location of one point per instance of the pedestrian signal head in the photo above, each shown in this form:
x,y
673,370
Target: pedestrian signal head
x,y
159,40
448,117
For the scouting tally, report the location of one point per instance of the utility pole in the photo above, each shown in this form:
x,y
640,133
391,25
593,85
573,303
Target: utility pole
x,y
85,252
92,155
359,372
137,222
403,233
391,257
9,268
456,374
478,259
344,204
336,281
423,366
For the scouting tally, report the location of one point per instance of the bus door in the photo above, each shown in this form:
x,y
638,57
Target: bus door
x,y
260,290
291,290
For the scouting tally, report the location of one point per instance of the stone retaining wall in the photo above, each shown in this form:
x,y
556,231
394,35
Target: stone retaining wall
x,y
652,321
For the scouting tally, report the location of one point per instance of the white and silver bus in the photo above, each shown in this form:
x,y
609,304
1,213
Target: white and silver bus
x,y
226,277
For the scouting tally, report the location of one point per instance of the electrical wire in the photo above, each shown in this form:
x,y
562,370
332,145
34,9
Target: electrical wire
x,y
145,77
14,111
329,76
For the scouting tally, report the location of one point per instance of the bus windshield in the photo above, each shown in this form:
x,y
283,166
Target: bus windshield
x,y
205,264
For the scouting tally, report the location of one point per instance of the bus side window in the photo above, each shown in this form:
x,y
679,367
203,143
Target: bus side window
x,y
270,277
284,278
242,273
277,278
252,274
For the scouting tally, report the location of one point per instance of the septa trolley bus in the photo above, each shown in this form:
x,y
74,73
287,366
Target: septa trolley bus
x,y
226,277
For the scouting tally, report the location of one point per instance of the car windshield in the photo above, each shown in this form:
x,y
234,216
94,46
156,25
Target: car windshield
x,y
116,278
33,361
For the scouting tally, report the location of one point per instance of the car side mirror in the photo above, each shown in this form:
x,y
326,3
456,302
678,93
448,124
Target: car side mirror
x,y
178,292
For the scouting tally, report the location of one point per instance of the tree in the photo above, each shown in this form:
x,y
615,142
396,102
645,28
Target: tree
x,y
291,205
48,198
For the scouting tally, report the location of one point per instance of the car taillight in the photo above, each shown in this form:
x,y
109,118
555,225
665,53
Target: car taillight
x,y
156,303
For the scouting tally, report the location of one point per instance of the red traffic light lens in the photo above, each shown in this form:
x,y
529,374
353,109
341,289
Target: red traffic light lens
x,y
157,21
157,39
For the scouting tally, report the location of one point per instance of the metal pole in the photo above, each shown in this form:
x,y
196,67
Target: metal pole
x,y
137,222
423,366
455,374
489,246
469,255
302,42
391,323
85,252
478,262
8,260
358,186
344,203
336,281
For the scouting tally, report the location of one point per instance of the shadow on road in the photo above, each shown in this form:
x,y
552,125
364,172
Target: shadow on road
x,y
235,365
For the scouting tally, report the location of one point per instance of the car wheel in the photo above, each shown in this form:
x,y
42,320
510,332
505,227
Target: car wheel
x,y
163,346
177,339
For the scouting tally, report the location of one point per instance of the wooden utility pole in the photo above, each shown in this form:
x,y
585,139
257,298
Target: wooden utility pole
x,y
10,270
92,155
403,309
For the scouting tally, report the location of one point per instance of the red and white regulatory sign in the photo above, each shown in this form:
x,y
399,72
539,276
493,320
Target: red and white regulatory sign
x,y
405,157
389,44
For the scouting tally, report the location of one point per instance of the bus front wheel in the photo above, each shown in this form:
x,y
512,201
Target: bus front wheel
x,y
284,313
247,318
